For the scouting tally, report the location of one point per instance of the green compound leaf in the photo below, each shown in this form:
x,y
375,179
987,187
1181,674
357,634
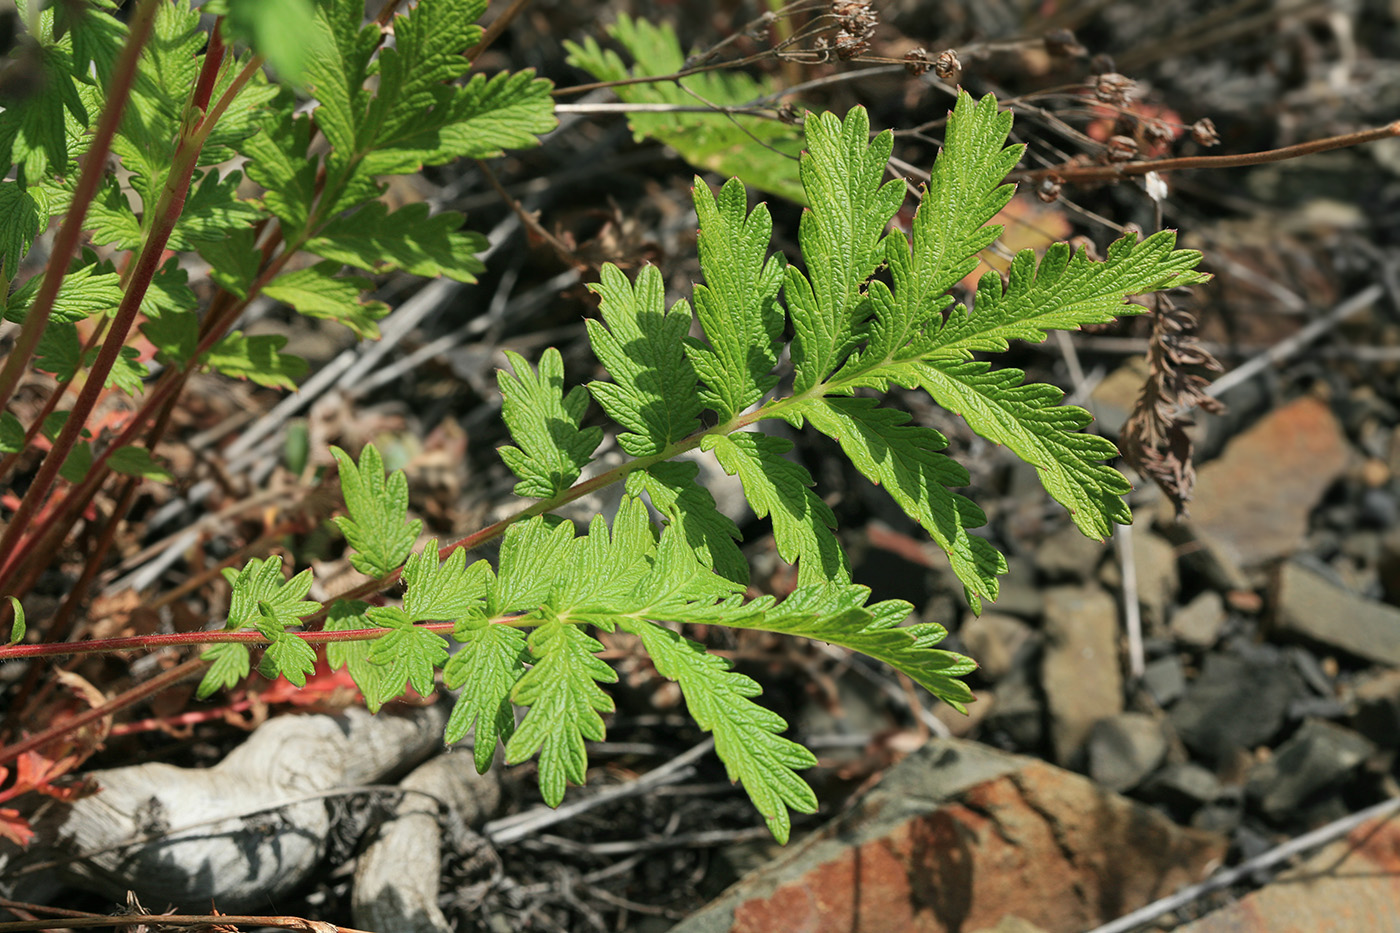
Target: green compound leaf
x,y
449,590
169,291
763,152
377,526
33,125
233,262
407,239
174,335
564,702
747,736
276,29
17,629
286,654
1029,420
260,593
212,212
406,655
88,289
803,525
486,668
231,663
279,160
654,391
1066,292
544,423
838,614
349,616
11,433
907,461
951,226
477,121
137,461
19,224
841,240
690,510
738,306
317,291
603,567
257,359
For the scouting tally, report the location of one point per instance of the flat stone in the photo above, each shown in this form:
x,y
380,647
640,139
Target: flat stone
x,y
1080,670
1252,503
1182,786
1125,749
1235,704
960,837
1200,622
994,640
1165,680
1018,712
1351,885
1154,563
1066,556
1377,708
1019,594
1319,755
1308,606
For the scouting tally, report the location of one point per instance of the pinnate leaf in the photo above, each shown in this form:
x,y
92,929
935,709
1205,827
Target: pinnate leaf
x,y
544,422
317,291
492,658
407,239
747,737
257,359
803,525
408,655
841,240
348,616
907,461
564,701
738,304
377,526
653,392
449,590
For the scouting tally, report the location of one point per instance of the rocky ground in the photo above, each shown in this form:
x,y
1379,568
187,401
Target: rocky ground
x,y
1189,695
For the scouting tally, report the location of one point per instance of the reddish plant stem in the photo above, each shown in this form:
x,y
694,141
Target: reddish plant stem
x,y
94,168
172,202
1083,173
119,702
145,268
249,636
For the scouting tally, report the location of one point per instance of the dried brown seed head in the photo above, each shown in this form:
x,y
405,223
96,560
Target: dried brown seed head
x,y
1203,132
917,62
1113,88
947,66
1049,189
1121,149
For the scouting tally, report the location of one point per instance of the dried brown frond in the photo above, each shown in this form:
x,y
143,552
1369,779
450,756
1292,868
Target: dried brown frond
x,y
1155,438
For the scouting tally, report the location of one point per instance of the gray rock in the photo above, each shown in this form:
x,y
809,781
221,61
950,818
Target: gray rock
x,y
1377,708
1154,561
1019,594
994,640
1199,623
1080,672
1165,679
1218,817
1183,786
1125,749
1319,755
1310,607
1067,556
1018,712
1235,704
